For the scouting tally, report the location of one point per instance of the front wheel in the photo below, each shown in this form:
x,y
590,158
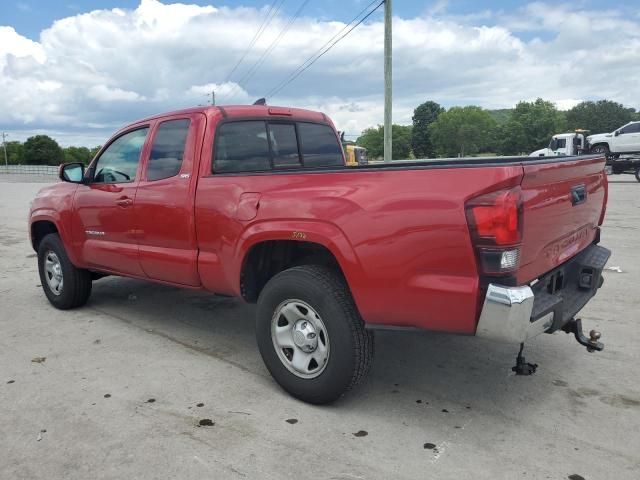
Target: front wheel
x,y
638,174
310,334
64,285
602,149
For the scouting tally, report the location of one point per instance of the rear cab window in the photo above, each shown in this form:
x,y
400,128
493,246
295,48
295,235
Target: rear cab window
x,y
319,145
265,145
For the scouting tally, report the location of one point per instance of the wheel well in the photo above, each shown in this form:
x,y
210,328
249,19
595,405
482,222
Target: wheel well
x,y
39,230
266,259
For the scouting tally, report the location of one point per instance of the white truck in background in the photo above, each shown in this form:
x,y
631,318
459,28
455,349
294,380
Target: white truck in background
x,y
625,139
573,143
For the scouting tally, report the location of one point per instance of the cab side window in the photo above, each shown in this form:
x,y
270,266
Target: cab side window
x,y
119,162
167,150
241,147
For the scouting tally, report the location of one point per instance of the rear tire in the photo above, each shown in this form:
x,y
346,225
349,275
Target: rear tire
x,y
64,285
310,334
638,174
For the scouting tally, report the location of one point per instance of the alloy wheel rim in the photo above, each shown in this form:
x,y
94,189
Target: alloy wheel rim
x,y
53,273
300,338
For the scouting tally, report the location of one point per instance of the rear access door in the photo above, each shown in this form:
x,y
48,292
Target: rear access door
x,y
563,206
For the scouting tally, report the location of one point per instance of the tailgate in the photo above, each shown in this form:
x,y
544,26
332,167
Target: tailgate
x,y
563,202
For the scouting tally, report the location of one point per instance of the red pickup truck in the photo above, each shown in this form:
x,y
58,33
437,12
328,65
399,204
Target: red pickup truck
x,y
256,202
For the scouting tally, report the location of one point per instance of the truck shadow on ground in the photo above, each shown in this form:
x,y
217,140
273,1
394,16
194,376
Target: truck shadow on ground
x,y
440,371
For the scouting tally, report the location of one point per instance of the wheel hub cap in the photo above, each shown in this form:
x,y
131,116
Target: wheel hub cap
x,y
53,273
300,338
304,336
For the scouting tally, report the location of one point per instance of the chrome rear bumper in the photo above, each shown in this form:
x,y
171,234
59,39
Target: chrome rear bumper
x,y
506,315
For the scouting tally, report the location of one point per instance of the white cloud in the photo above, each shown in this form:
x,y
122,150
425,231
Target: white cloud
x,y
95,71
102,93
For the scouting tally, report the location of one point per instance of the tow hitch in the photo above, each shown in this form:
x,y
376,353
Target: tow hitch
x,y
575,326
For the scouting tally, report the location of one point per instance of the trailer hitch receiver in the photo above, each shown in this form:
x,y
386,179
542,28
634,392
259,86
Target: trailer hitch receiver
x,y
575,326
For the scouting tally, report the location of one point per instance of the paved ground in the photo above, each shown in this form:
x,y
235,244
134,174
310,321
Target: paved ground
x,y
579,415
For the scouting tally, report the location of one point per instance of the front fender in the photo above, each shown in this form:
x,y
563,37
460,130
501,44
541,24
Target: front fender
x,y
55,204
53,216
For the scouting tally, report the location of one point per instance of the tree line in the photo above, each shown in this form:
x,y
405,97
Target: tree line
x,y
44,150
472,130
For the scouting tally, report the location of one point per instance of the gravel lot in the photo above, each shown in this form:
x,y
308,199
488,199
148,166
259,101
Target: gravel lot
x,y
123,383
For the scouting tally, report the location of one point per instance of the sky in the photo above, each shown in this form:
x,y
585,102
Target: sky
x,y
79,70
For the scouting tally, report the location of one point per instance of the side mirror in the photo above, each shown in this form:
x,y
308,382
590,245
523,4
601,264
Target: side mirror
x,y
616,133
554,144
577,141
71,172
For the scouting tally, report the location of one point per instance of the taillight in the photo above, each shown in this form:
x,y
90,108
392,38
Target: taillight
x,y
495,223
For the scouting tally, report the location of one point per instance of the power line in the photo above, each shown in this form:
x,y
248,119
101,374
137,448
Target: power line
x,y
267,19
325,48
273,45
254,68
277,4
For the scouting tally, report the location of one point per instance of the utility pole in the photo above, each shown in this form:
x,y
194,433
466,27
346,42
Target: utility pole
x,y
4,145
213,97
387,81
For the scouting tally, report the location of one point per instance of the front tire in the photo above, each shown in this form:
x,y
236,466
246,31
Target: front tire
x,y
637,174
64,285
601,149
310,335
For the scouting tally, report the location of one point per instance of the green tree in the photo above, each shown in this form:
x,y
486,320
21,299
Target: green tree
x,y
462,130
603,116
77,154
423,116
15,153
373,140
94,151
530,126
42,150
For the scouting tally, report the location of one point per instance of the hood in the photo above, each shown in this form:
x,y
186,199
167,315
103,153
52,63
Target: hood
x,y
598,137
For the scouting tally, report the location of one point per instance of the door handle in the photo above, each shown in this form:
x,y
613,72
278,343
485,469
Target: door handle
x,y
124,202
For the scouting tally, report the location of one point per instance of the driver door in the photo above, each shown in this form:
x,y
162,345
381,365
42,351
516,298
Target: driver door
x,y
104,206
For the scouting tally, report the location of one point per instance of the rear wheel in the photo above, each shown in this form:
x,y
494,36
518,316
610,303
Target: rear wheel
x,y
601,149
638,174
310,334
64,285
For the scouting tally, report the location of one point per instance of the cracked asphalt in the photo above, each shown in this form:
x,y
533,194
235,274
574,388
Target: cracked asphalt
x,y
152,382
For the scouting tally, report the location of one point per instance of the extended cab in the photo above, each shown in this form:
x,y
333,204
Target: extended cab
x,y
256,202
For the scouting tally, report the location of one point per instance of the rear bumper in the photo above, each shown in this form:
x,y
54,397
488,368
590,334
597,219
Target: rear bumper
x,y
515,314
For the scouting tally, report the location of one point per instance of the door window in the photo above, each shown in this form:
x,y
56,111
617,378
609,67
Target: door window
x,y
119,162
633,128
167,150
